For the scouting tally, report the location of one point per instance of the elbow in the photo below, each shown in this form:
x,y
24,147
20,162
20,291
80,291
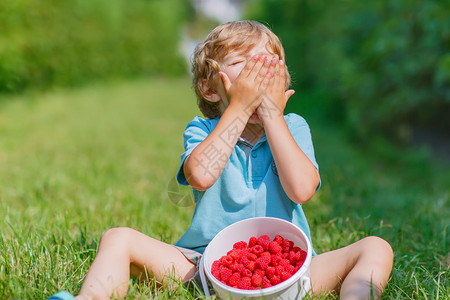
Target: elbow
x,y
196,179
302,193
199,185
198,182
301,196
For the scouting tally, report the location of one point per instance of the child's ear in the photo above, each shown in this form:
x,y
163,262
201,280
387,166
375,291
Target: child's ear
x,y
208,93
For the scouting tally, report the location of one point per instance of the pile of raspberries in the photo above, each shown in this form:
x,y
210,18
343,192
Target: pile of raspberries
x,y
259,264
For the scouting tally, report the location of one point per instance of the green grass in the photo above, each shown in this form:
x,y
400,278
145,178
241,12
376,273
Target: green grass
x,y
74,163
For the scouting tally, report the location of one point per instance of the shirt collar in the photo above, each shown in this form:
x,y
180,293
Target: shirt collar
x,y
247,142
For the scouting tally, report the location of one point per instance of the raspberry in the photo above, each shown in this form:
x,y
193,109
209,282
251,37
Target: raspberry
x,y
275,280
287,246
270,271
263,237
234,279
292,257
257,250
304,254
244,260
266,254
266,282
246,273
251,256
225,274
240,245
278,270
298,256
245,283
252,241
215,267
263,262
235,254
251,266
265,245
256,280
296,249
260,272
274,247
226,260
279,239
239,268
284,263
289,269
275,259
285,275
264,241
233,266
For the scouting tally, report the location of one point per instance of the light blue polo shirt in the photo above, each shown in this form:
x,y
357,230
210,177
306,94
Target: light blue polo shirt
x,y
248,186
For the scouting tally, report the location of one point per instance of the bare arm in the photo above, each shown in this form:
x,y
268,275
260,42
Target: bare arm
x,y
297,174
206,162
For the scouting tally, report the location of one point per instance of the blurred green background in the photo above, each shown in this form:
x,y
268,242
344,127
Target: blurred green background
x,y
383,66
65,43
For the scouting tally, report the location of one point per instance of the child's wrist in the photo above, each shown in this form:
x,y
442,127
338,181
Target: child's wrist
x,y
239,110
271,118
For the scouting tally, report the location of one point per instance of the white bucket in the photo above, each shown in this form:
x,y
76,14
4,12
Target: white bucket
x,y
294,287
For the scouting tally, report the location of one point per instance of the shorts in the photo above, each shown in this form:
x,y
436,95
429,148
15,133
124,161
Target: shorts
x,y
195,281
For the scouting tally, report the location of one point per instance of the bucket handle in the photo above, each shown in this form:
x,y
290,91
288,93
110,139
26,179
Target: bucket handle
x,y
305,286
203,278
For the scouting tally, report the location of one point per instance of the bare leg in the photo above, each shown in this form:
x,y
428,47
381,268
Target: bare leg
x,y
361,269
125,250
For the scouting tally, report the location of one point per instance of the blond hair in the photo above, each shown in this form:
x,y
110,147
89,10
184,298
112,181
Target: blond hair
x,y
239,36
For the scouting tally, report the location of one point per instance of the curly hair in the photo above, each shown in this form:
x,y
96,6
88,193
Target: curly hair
x,y
239,36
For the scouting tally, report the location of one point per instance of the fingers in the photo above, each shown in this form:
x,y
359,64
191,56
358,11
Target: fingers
x,y
264,71
265,81
273,85
254,69
253,63
270,73
264,68
279,82
276,74
288,94
226,81
282,73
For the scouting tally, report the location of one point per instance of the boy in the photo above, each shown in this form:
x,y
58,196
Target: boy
x,y
245,160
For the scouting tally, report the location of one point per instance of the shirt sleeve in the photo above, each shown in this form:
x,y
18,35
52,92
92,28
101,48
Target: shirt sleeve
x,y
196,131
301,133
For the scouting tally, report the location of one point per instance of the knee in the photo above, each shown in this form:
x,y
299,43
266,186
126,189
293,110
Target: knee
x,y
116,236
380,249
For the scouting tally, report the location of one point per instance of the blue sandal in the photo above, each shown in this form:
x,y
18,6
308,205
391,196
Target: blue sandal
x,y
63,295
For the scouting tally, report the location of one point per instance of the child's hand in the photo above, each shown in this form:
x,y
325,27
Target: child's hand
x,y
247,89
275,97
